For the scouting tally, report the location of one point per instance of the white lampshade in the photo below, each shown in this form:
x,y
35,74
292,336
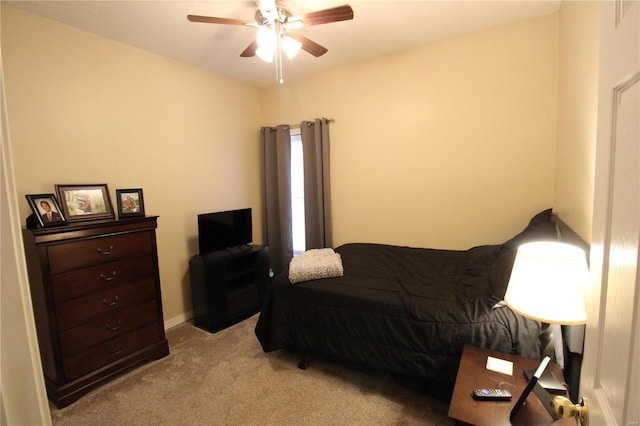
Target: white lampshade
x,y
267,40
548,283
290,45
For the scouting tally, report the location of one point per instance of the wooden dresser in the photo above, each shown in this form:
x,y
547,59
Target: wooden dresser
x,y
95,290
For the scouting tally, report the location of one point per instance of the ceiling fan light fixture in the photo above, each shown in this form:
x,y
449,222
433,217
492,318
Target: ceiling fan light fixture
x,y
265,54
290,45
276,34
266,44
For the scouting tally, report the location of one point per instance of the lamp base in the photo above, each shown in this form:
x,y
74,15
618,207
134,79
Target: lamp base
x,y
548,381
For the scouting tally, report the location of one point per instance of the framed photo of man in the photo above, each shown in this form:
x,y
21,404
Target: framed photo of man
x,y
46,210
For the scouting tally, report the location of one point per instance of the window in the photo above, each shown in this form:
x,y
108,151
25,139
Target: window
x,y
297,193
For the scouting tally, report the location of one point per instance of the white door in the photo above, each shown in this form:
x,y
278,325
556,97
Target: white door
x,y
611,368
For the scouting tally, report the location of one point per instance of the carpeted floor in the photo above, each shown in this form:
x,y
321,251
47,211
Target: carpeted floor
x,y
226,379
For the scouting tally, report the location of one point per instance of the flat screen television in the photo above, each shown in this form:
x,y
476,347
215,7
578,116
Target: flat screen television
x,y
223,230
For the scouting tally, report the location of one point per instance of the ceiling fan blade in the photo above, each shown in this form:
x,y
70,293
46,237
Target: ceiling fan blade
x,y
250,50
310,46
214,20
326,16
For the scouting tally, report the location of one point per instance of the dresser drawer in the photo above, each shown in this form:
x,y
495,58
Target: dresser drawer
x,y
87,280
110,351
64,257
77,339
83,309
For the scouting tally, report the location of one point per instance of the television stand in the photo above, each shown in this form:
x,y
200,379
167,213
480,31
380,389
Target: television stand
x,y
228,286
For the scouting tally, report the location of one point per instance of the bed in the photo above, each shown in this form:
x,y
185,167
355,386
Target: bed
x,y
405,310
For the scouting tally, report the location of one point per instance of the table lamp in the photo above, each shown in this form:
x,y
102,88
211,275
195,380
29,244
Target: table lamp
x,y
548,284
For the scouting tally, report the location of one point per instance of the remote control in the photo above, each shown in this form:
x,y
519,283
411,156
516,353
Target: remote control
x,y
491,394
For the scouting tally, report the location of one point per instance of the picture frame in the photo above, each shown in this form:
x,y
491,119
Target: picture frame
x,y
46,210
530,386
85,202
130,202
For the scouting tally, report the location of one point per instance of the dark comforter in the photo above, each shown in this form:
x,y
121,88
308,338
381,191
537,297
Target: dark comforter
x,y
404,310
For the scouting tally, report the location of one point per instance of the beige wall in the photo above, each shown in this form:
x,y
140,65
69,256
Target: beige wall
x,y
577,114
449,145
85,109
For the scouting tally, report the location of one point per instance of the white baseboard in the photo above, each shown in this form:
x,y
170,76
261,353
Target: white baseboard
x,y
172,322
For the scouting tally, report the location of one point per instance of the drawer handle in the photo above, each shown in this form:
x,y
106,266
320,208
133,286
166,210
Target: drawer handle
x,y
112,302
107,278
116,351
106,253
114,327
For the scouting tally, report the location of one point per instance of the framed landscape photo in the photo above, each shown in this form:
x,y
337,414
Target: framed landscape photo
x,y
85,202
130,202
46,210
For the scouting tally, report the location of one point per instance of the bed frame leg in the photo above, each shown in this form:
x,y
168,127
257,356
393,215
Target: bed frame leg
x,y
302,364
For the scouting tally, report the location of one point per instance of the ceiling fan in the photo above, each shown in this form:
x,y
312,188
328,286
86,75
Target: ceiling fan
x,y
277,30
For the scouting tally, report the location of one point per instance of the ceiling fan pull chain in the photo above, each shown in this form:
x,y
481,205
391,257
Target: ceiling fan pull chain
x,y
279,76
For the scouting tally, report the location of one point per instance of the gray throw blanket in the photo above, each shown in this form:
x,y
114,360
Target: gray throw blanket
x,y
315,264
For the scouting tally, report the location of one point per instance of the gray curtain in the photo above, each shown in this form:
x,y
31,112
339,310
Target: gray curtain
x,y
276,148
276,144
317,188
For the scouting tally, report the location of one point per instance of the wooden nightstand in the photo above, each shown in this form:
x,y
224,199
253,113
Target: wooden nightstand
x,y
472,373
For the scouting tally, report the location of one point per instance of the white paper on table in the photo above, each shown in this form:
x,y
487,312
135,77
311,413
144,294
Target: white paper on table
x,y
500,365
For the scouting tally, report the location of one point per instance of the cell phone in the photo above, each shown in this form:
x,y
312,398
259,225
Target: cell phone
x,y
484,394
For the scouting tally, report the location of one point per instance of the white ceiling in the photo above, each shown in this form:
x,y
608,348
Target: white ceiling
x,y
378,28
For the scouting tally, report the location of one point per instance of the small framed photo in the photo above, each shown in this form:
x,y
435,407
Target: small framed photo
x,y
46,210
85,202
130,202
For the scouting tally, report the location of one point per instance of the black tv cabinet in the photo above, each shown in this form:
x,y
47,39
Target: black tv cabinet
x,y
228,286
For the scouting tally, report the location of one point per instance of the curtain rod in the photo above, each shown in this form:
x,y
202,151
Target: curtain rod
x,y
297,126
